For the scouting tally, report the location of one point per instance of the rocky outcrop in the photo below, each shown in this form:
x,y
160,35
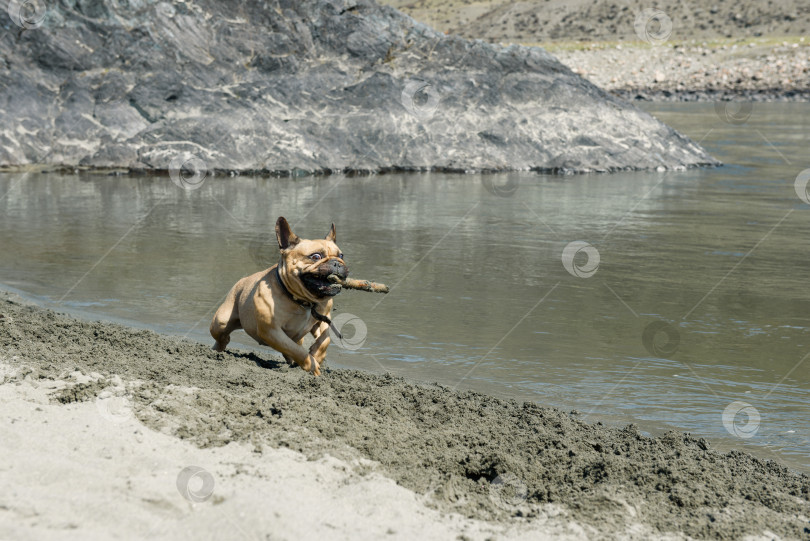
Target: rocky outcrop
x,y
284,86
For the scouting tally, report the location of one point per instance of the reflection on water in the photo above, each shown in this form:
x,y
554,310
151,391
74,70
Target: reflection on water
x,y
711,263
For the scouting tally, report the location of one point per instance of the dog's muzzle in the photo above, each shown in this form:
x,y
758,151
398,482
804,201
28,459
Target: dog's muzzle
x,y
318,282
334,266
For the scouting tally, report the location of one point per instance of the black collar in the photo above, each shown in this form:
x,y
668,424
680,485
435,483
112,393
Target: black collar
x,y
299,302
307,304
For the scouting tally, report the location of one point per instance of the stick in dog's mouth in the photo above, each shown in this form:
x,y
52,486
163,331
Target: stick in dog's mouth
x,y
363,285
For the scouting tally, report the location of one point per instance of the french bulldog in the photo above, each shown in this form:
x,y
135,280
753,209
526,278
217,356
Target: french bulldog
x,y
278,306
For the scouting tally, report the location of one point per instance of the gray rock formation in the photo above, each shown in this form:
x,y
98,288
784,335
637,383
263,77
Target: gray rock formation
x,y
289,86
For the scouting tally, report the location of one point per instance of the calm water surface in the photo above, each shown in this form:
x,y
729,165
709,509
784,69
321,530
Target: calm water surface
x,y
717,259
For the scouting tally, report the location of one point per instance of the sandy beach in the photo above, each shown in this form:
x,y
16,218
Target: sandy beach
x,y
277,453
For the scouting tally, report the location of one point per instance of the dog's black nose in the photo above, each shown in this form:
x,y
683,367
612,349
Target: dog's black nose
x,y
334,266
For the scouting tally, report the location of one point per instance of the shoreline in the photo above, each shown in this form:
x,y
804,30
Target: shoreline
x,y
348,172
712,96
494,460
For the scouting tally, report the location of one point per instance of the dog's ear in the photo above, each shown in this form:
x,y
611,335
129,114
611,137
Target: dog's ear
x,y
331,235
286,238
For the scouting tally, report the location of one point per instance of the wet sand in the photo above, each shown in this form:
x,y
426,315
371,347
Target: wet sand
x,y
512,468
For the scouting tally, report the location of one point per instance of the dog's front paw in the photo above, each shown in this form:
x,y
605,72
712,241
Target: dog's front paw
x,y
312,366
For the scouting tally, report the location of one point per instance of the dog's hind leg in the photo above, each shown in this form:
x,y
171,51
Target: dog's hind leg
x,y
226,320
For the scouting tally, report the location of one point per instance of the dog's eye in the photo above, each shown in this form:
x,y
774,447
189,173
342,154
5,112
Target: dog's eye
x,y
340,255
316,257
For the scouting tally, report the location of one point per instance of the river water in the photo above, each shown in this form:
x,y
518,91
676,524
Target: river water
x,y
681,304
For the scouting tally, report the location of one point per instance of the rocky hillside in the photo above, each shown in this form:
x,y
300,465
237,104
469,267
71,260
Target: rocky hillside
x,y
289,86
544,21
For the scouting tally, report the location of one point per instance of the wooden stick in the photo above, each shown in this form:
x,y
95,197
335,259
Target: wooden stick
x,y
363,285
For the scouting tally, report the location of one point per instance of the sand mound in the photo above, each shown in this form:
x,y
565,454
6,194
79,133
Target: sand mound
x,y
476,455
